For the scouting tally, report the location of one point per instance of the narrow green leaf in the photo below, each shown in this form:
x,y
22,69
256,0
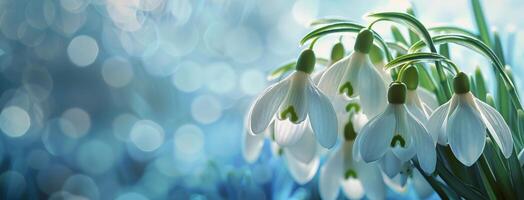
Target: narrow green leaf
x,y
517,177
481,85
344,27
288,66
323,21
496,162
462,189
452,30
480,21
413,37
397,35
497,47
418,58
278,72
398,47
481,48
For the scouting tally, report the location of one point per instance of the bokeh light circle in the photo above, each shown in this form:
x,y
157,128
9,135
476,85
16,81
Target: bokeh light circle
x,y
14,121
206,109
75,122
122,125
189,142
132,196
117,72
81,185
220,77
252,81
188,76
82,50
12,184
95,157
147,135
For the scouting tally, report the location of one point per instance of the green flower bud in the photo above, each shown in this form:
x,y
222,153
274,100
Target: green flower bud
x,y
410,77
337,52
306,61
364,41
461,83
397,93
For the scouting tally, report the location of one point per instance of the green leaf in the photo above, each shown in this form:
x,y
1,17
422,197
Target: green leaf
x,y
481,85
496,162
413,37
497,47
330,28
286,67
397,35
483,49
323,21
343,27
398,47
480,21
419,57
452,30
464,190
517,177
278,72
414,25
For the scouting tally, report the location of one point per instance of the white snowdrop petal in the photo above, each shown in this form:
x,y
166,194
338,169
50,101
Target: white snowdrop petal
x,y
371,178
418,113
466,133
372,90
318,75
436,122
266,106
353,188
322,117
425,148
497,127
330,80
421,186
390,164
287,133
375,137
405,128
305,149
428,98
297,96
252,146
331,173
300,171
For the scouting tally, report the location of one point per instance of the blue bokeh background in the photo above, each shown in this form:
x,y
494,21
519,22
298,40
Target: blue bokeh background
x,y
145,99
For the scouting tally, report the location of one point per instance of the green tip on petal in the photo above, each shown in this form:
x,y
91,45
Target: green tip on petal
x,y
346,89
397,139
306,61
461,83
350,173
280,151
289,113
337,52
364,41
349,131
351,106
397,93
410,78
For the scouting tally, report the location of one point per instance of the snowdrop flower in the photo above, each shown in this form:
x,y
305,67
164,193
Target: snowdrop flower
x,y
356,178
409,174
295,104
462,123
355,75
395,136
414,103
301,158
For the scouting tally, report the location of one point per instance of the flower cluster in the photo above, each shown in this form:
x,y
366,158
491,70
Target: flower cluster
x,y
374,124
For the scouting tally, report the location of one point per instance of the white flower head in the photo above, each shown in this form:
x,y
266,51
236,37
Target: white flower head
x,y
395,136
302,159
414,103
355,177
355,75
295,104
462,123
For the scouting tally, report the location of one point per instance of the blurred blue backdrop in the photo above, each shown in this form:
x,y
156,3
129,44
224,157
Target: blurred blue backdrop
x,y
145,99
